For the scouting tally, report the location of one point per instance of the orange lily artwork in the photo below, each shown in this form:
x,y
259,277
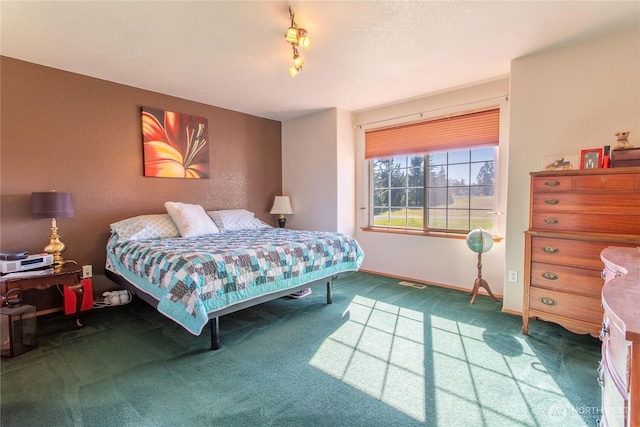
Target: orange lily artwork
x,y
175,145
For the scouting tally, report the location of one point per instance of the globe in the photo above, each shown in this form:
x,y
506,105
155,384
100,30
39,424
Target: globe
x,y
479,240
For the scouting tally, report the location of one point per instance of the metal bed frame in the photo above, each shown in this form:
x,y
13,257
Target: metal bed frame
x,y
240,305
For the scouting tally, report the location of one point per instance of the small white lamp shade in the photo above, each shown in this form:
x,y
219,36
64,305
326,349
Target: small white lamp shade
x,y
281,207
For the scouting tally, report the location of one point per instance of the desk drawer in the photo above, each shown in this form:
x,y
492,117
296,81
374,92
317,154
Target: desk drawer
x,y
570,279
580,307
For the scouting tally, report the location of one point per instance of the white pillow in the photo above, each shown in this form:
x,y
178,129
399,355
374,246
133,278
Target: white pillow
x,y
191,220
236,219
157,226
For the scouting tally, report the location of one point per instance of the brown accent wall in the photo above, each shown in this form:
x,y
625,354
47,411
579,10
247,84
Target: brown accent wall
x,y
67,132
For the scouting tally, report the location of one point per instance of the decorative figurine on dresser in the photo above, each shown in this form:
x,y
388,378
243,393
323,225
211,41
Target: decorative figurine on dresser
x,y
574,215
624,154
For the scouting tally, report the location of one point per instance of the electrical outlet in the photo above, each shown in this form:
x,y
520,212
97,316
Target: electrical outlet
x,y
87,271
513,276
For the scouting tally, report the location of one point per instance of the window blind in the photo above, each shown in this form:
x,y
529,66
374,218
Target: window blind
x,y
471,130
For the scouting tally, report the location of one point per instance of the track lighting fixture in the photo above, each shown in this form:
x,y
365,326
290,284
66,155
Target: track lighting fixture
x,y
296,37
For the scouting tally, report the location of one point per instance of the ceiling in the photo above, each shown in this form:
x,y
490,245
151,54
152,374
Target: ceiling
x,y
363,54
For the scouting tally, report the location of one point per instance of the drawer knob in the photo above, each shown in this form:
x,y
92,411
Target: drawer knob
x,y
604,332
551,201
551,221
601,373
548,301
552,183
550,276
550,250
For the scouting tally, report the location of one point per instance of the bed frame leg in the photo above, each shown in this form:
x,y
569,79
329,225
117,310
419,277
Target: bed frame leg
x,y
329,297
215,334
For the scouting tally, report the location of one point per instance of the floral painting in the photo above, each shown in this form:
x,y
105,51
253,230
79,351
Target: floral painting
x,y
175,145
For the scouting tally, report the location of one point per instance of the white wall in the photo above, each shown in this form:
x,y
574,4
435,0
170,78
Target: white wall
x,y
563,101
346,185
446,261
560,101
318,171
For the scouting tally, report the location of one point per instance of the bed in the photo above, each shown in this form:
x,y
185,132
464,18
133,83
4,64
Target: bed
x,y
194,278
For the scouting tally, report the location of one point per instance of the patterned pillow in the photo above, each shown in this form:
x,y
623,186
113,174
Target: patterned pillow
x,y
191,220
236,219
156,226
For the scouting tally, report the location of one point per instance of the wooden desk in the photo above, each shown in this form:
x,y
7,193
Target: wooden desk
x,y
69,275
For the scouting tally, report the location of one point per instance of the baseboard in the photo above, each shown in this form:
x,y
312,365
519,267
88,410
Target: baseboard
x,y
440,285
510,311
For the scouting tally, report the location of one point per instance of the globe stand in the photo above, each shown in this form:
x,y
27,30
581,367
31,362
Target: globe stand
x,y
480,283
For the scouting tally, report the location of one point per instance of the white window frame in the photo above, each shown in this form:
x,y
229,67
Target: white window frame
x,y
425,209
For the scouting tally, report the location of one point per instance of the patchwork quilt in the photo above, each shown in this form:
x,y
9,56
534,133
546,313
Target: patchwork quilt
x,y
191,277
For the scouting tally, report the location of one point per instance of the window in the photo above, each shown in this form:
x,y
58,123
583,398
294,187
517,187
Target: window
x,y
434,189
398,192
458,188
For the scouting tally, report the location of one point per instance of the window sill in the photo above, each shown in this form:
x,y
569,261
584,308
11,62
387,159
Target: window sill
x,y
406,232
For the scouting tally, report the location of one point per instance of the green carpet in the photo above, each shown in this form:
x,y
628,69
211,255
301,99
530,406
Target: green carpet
x,y
381,355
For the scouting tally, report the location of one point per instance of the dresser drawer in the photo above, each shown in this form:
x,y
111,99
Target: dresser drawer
x,y
614,403
615,350
579,253
586,222
576,202
623,181
552,183
580,307
571,279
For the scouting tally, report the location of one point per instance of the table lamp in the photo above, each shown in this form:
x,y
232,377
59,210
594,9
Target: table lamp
x,y
281,207
480,241
53,205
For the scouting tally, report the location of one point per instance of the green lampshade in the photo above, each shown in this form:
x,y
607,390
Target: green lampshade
x,y
479,240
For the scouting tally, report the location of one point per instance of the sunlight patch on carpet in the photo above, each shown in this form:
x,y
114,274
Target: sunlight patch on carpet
x,y
502,383
479,376
379,351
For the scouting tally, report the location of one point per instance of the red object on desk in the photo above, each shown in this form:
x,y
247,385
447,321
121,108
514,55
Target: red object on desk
x,y
87,297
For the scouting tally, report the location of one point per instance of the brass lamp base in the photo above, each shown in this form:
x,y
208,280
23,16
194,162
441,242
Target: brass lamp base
x,y
282,221
55,246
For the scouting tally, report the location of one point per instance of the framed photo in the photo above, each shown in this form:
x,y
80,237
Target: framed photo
x,y
591,158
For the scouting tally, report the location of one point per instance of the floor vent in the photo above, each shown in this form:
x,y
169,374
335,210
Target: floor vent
x,y
413,285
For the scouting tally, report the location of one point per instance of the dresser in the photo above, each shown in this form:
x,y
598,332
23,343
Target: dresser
x,y
619,370
574,215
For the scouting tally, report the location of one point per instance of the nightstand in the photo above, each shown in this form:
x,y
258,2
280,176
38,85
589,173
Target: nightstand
x,y
70,275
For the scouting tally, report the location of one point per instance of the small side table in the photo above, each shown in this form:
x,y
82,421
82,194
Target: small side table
x,y
70,275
